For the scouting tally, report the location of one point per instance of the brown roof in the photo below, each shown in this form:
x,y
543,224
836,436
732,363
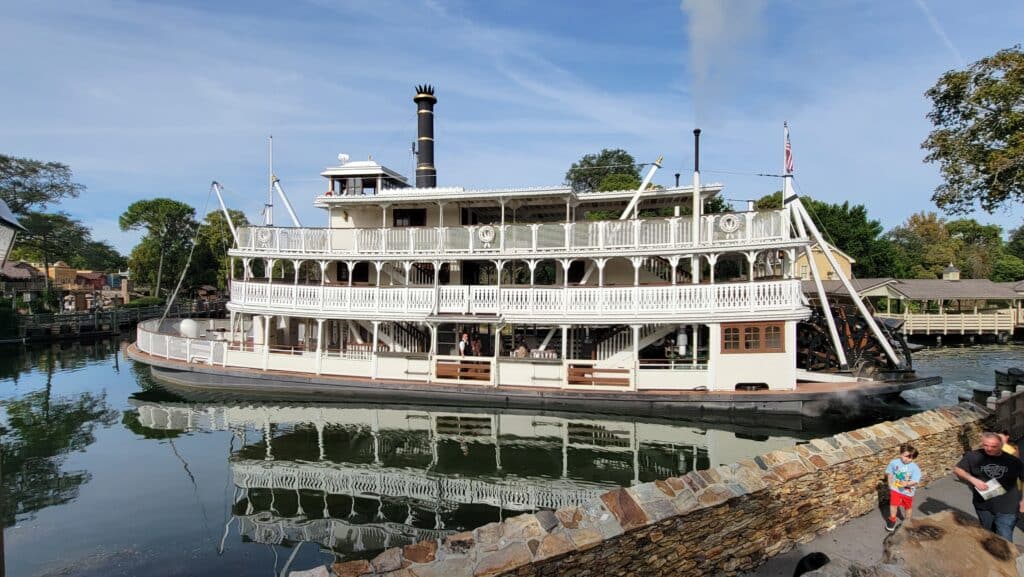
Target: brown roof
x,y
930,289
18,271
91,275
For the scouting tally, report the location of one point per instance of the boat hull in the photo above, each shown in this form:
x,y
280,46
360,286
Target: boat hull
x,y
807,399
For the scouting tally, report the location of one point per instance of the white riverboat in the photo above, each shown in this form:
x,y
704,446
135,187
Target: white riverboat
x,y
514,296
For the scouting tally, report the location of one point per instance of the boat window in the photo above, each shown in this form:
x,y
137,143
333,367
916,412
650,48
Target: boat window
x,y
752,338
731,340
773,338
409,217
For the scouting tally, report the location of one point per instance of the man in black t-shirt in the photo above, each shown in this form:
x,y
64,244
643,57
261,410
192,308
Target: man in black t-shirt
x,y
997,514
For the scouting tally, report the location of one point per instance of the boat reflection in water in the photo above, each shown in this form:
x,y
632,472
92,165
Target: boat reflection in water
x,y
357,480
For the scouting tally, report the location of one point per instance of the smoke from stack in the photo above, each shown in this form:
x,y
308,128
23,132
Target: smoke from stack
x,y
426,174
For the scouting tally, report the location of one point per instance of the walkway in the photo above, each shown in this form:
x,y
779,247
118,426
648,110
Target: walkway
x,y
861,539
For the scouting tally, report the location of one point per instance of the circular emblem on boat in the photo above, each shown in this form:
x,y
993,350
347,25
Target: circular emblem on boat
x,y
729,223
486,234
264,236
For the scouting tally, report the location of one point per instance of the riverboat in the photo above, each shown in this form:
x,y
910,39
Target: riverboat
x,y
519,297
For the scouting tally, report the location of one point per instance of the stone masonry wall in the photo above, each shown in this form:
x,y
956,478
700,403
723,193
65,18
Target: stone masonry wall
x,y
721,521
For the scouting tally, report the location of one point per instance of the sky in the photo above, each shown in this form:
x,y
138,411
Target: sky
x,y
157,98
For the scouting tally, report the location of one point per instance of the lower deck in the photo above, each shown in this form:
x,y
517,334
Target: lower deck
x,y
807,398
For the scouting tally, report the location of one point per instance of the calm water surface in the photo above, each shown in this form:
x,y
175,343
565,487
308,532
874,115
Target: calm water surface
x,y
105,474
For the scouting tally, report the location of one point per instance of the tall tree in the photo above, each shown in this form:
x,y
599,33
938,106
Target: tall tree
x,y
978,246
210,262
27,184
99,255
850,229
592,169
1015,245
978,139
169,226
924,245
48,238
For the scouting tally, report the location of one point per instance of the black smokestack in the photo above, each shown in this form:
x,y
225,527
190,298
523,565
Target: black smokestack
x,y
696,150
426,174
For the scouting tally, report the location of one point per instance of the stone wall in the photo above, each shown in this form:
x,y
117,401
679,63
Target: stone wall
x,y
721,521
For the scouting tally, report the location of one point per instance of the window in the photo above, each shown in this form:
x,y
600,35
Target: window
x,y
731,339
752,338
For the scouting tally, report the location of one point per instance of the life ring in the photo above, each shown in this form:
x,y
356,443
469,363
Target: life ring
x,y
729,223
486,234
264,236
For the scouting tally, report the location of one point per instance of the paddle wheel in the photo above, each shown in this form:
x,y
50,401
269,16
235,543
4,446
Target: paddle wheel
x,y
865,354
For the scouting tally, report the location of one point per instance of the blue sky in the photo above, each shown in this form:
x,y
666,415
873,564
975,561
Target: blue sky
x,y
146,99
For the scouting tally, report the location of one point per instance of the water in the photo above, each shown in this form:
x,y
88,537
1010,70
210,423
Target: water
x,y
106,474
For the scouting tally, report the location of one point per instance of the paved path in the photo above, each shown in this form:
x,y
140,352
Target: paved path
x,y
861,538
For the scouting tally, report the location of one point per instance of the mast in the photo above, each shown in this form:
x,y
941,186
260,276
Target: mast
x,y
268,209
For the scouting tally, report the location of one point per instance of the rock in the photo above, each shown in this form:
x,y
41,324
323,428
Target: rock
x,y
421,552
352,568
950,544
389,560
320,571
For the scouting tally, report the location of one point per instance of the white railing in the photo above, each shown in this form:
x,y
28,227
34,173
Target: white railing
x,y
172,347
549,238
413,303
998,322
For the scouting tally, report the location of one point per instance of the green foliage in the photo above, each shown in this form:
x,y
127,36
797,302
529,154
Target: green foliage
x,y
1007,268
26,184
978,114
169,226
1015,245
978,246
210,261
619,181
771,201
144,302
849,229
98,255
591,170
924,246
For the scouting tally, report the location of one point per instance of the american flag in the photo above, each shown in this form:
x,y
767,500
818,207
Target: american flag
x,y
789,151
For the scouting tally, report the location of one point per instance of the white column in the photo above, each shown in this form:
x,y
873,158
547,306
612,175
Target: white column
x,y
600,262
674,261
296,264
323,271
712,261
751,258
637,263
565,342
695,269
266,341
319,343
373,349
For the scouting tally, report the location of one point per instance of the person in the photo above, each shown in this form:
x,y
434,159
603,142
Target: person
x,y
521,351
464,345
477,346
903,475
998,513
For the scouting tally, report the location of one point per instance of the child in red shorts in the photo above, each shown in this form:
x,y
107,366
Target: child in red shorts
x,y
903,475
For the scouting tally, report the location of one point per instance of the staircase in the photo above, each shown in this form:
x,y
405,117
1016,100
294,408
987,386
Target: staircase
x,y
617,349
393,274
397,337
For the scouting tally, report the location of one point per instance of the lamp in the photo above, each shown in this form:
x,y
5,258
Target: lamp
x,y
9,228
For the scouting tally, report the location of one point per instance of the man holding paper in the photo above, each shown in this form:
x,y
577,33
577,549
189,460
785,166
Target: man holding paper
x,y
993,474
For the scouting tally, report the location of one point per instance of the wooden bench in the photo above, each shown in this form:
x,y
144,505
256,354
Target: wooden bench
x,y
464,370
588,375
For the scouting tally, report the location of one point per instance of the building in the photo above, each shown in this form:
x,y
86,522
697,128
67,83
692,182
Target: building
x,y
803,268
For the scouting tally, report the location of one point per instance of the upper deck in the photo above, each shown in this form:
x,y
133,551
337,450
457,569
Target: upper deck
x,y
722,231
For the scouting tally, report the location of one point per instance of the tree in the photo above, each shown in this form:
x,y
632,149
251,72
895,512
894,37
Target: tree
x,y
1007,268
619,181
48,238
1015,245
210,261
592,169
924,246
771,201
978,246
98,255
169,226
26,184
978,140
849,229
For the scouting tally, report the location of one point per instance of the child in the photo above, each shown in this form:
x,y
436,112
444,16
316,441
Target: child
x,y
903,475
